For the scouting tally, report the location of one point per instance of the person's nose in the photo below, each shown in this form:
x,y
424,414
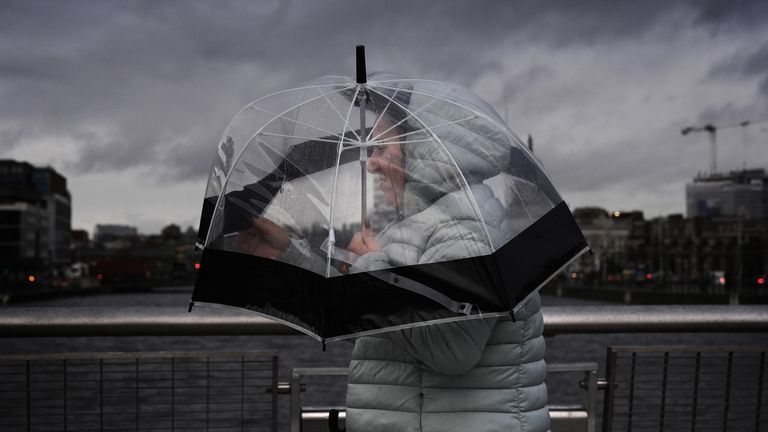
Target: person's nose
x,y
373,164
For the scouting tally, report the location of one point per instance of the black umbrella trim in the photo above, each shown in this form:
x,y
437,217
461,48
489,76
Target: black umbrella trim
x,y
354,303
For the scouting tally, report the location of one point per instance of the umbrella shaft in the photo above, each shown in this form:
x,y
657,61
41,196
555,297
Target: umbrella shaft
x,y
363,160
363,207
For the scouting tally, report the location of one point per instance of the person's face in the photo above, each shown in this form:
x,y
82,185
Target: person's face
x,y
386,161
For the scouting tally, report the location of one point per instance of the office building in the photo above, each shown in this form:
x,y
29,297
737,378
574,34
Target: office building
x,y
35,214
737,193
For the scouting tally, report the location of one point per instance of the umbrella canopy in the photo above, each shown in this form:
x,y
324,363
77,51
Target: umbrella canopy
x,y
350,206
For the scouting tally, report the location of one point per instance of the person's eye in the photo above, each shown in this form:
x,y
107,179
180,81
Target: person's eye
x,y
376,149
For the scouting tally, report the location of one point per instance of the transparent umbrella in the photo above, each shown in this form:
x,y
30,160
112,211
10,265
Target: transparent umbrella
x,y
349,206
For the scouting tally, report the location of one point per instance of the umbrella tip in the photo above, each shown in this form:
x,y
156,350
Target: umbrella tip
x,y
360,56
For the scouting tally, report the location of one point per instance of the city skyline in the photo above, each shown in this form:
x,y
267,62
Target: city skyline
x,y
128,101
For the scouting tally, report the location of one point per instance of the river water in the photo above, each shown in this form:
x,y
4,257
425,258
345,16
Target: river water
x,y
302,351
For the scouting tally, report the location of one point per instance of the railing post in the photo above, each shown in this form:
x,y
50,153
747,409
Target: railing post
x,y
591,399
610,367
295,405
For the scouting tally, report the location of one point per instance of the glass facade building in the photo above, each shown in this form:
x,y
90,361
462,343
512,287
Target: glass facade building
x,y
737,193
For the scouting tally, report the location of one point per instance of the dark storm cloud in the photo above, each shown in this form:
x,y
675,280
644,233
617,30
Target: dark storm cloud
x,y
757,63
517,83
729,114
736,15
147,83
746,64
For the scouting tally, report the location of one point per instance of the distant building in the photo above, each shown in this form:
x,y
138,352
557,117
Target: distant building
x,y
616,239
711,253
24,233
112,232
80,242
35,214
694,250
80,238
737,193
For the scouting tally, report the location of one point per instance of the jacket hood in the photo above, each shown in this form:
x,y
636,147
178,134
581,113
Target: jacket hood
x,y
465,145
471,151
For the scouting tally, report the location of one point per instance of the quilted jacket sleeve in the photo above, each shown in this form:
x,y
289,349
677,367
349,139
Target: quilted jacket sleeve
x,y
451,348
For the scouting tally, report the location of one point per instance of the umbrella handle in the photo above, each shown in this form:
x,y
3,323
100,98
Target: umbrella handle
x,y
360,57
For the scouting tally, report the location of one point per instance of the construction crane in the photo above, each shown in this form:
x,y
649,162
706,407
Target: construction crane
x,y
712,129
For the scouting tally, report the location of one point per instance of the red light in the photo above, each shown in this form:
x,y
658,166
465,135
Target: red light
x,y
197,266
760,281
99,276
649,276
722,280
31,278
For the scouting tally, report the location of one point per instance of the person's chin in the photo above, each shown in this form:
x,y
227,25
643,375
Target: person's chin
x,y
389,194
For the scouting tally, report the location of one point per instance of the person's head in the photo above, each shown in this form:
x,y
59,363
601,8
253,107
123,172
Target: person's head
x,y
387,161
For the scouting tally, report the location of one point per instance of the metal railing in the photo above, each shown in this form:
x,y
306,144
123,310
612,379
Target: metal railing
x,y
580,417
661,388
126,391
310,420
564,417
164,321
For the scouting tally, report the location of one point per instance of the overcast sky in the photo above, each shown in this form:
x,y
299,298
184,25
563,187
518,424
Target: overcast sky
x,y
128,99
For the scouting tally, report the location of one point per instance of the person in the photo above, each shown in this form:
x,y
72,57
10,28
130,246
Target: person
x,y
478,375
481,375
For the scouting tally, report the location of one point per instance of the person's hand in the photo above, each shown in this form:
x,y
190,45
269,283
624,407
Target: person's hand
x,y
264,239
364,242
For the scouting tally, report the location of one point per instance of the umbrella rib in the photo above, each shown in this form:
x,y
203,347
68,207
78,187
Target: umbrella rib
x,y
456,166
338,113
335,181
242,151
381,115
408,79
290,324
294,89
410,114
435,127
299,137
441,98
521,200
282,116
389,143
